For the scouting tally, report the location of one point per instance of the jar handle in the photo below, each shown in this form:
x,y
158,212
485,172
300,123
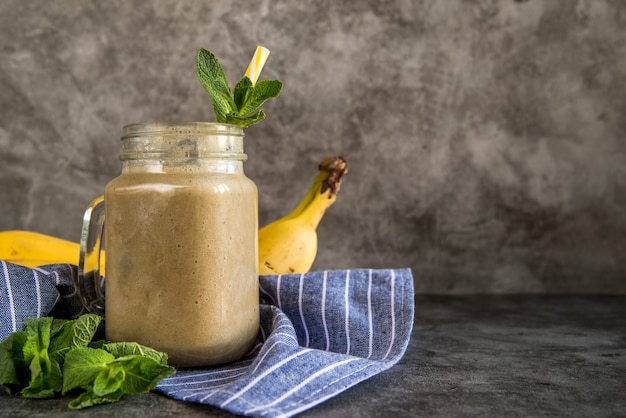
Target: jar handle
x,y
90,282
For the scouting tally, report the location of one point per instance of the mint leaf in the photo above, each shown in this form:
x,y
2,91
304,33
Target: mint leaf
x,y
37,337
263,90
241,107
57,326
61,335
46,381
45,374
82,366
142,374
242,90
244,122
213,79
124,349
87,399
14,372
70,334
84,328
109,380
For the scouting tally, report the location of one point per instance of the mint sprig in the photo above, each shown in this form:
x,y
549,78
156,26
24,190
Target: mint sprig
x,y
241,107
51,357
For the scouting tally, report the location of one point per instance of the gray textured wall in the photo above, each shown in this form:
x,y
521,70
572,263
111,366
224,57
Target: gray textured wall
x,y
485,138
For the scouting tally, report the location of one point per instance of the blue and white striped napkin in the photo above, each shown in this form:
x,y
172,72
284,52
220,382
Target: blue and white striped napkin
x,y
33,293
321,333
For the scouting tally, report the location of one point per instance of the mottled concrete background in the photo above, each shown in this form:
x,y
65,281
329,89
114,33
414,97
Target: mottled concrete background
x,y
486,139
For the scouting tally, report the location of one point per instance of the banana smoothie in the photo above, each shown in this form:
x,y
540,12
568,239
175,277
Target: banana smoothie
x,y
181,243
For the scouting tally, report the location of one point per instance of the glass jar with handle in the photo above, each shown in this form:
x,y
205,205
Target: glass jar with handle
x,y
180,234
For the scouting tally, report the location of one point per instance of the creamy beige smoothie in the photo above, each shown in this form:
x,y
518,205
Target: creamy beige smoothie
x,y
182,263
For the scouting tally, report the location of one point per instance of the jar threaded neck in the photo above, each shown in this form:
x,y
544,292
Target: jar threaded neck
x,y
182,140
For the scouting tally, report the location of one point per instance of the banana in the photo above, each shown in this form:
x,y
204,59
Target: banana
x,y
32,249
289,244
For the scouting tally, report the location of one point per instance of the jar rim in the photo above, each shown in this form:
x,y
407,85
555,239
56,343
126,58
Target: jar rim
x,y
178,127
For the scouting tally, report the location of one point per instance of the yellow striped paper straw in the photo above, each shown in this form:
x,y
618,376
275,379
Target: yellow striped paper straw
x,y
257,63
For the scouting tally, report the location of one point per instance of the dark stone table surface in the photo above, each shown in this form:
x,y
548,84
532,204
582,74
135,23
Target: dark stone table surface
x,y
486,356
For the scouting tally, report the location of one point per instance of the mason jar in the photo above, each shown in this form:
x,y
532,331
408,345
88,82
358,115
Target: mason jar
x,y
180,236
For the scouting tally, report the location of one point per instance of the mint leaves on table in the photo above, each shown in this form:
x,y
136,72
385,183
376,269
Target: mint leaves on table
x,y
54,356
106,377
240,107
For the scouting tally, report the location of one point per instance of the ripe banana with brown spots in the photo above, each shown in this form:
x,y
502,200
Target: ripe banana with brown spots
x,y
289,244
